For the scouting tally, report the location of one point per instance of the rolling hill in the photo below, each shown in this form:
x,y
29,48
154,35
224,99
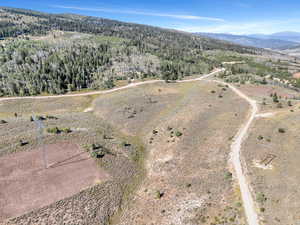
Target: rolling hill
x,y
57,53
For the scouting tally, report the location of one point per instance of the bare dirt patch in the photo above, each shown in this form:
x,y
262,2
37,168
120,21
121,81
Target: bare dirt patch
x,y
25,184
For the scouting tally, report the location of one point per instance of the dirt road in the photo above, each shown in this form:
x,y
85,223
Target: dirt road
x,y
248,202
107,91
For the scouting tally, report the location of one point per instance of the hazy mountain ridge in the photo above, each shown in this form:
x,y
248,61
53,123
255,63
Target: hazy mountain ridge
x,y
284,36
256,40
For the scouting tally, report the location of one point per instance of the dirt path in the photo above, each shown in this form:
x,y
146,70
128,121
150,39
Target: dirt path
x,y
248,202
107,91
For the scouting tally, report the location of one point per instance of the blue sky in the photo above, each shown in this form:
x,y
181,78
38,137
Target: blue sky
x,y
222,16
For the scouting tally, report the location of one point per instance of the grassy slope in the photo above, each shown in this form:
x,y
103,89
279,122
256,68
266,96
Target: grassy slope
x,y
279,183
179,165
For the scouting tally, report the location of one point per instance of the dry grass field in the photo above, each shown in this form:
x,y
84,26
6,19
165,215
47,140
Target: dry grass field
x,y
185,130
168,147
263,95
272,156
27,107
188,130
78,192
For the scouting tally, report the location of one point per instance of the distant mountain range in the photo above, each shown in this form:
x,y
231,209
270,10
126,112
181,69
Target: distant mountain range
x,y
280,41
285,36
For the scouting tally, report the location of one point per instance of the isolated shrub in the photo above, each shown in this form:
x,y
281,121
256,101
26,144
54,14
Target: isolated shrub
x,y
228,175
51,117
290,103
100,153
53,130
260,197
262,209
56,130
3,121
178,133
126,144
281,130
279,105
38,118
275,98
260,137
232,219
41,118
264,81
94,154
66,130
189,185
159,194
95,146
97,151
169,128
23,143
238,204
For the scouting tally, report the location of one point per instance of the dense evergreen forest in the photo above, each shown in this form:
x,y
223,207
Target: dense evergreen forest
x,y
50,53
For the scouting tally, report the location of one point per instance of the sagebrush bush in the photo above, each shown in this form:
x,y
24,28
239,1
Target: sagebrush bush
x,y
53,130
178,133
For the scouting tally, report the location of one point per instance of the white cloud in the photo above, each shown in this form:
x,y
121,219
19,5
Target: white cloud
x,y
133,12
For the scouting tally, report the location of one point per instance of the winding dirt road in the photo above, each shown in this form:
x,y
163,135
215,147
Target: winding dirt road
x,y
108,91
248,202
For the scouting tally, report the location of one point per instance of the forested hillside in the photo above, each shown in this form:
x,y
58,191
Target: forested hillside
x,y
50,53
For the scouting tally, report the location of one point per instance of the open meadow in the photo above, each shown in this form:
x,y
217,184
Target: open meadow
x,y
162,144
